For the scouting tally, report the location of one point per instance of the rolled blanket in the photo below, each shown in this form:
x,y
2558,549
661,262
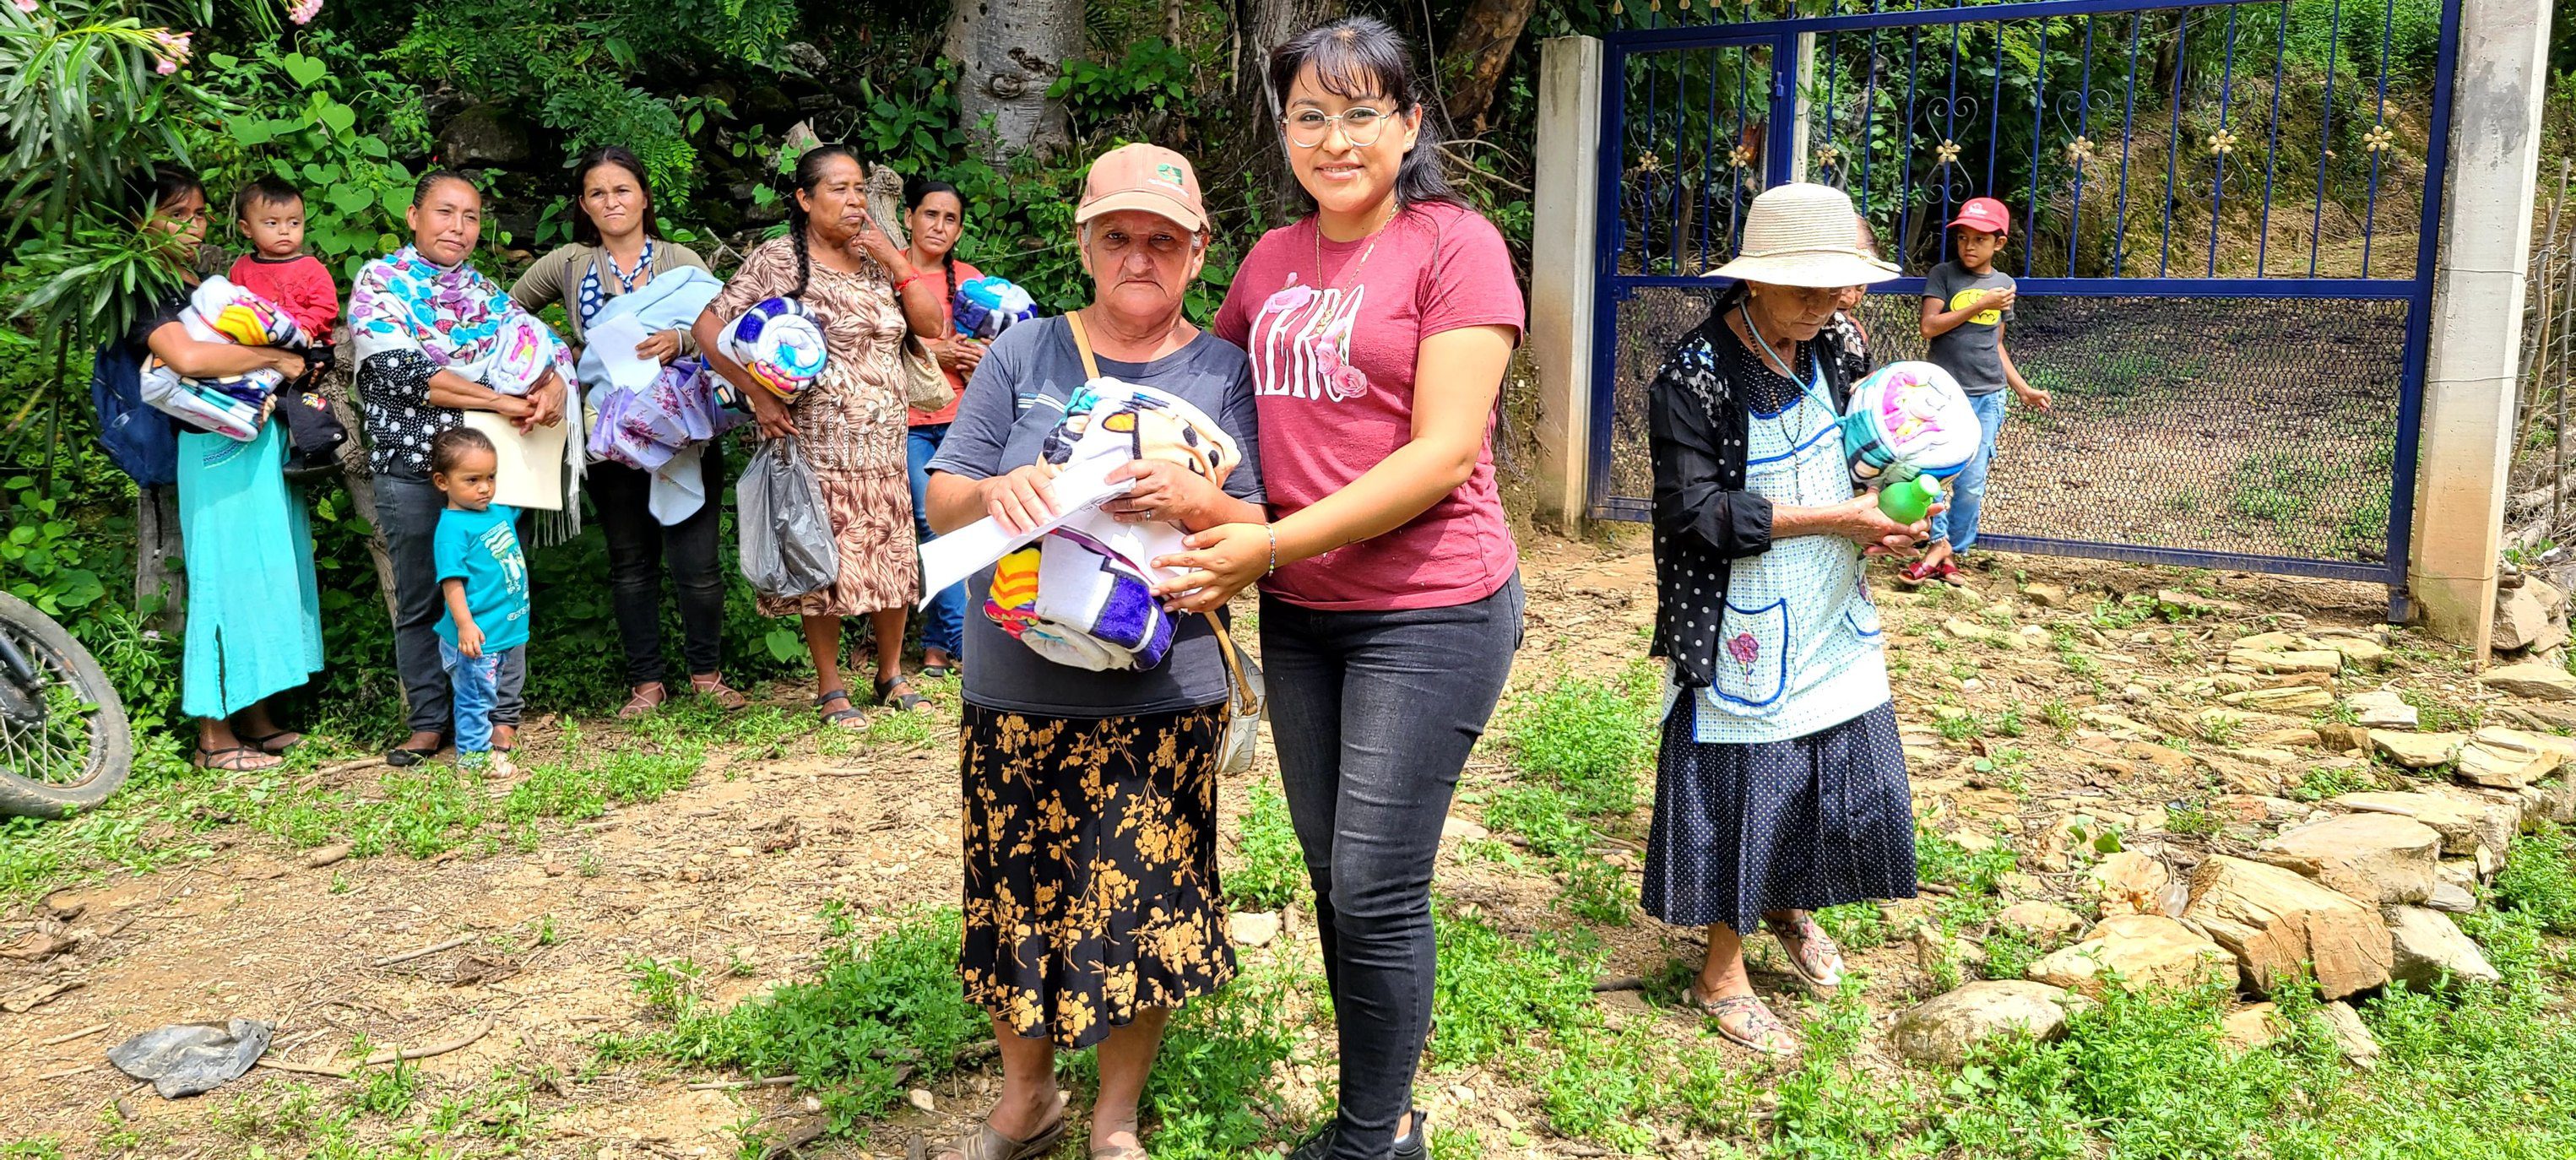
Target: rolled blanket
x,y
987,306
779,341
1908,419
235,406
644,429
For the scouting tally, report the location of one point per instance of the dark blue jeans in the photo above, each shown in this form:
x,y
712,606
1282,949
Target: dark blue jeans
x,y
943,627
1374,714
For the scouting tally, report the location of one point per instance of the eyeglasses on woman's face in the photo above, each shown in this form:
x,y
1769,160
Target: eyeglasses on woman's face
x,y
1361,126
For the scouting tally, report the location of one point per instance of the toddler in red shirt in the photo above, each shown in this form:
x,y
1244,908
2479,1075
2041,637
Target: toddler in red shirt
x,y
270,215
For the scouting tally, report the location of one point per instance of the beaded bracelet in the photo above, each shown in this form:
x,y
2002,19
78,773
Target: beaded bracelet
x,y
1273,532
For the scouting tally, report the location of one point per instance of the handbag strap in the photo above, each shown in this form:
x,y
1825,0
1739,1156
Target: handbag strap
x,y
1247,700
1082,345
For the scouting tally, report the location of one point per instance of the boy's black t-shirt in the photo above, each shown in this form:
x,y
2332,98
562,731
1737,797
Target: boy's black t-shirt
x,y
1973,350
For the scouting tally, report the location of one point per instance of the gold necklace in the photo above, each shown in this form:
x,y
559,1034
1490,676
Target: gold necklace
x,y
1365,251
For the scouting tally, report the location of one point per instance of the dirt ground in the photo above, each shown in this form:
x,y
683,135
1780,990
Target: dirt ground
x,y
737,868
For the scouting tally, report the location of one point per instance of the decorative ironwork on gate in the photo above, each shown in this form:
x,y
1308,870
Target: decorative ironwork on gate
x,y
2224,216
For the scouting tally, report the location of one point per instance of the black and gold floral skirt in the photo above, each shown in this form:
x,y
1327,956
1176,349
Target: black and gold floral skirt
x,y
1091,888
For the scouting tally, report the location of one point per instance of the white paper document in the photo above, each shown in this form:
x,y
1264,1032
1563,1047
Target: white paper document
x,y
953,557
531,465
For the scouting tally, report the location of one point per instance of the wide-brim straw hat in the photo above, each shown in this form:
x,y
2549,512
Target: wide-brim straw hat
x,y
1802,234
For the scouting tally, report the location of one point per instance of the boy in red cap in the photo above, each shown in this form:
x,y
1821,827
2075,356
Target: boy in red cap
x,y
1966,302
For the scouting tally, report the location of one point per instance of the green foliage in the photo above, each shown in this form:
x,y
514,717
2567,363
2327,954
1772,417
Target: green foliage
x,y
1216,1091
47,559
327,120
2539,879
879,1010
1939,859
1493,991
1152,76
1272,872
1592,740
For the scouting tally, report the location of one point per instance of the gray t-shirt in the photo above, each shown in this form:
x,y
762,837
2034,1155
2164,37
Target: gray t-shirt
x,y
1973,350
1017,395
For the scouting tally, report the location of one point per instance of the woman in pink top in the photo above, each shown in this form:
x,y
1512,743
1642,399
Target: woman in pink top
x,y
1379,328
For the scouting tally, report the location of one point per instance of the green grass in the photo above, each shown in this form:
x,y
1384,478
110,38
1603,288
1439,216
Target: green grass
x,y
1591,740
1271,873
878,1010
2538,880
1215,1091
1495,992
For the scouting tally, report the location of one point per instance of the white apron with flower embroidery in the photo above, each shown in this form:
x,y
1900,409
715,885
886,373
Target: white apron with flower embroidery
x,y
1799,650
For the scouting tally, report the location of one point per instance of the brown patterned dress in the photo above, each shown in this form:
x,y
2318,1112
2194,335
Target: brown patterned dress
x,y
1091,888
849,424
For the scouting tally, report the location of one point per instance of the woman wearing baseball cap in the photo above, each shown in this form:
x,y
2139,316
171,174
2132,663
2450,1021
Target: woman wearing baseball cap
x,y
1091,902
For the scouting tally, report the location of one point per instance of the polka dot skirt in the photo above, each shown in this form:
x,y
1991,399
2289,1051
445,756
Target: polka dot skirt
x,y
1812,822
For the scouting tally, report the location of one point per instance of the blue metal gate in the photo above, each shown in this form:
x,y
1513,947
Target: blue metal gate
x,y
2224,213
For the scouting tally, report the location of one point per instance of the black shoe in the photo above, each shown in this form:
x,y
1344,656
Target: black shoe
x,y
1416,1146
1411,1147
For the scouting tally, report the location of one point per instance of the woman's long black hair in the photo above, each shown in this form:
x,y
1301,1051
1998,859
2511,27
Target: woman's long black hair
x,y
1361,56
917,188
152,187
809,173
585,230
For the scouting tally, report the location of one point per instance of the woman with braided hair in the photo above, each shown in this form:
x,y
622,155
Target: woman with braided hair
x,y
936,216
867,295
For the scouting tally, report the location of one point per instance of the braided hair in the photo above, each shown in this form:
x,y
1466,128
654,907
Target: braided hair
x,y
914,190
809,174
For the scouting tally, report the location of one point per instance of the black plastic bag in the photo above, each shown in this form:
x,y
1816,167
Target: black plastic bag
x,y
786,531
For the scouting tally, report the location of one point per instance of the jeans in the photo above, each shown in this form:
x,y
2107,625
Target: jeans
x,y
1968,489
639,546
477,684
943,627
407,510
1374,714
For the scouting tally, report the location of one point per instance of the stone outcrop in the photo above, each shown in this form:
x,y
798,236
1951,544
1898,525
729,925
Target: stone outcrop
x,y
2274,921
2146,952
1943,1030
2377,859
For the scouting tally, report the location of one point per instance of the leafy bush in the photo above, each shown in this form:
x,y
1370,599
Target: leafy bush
x,y
328,121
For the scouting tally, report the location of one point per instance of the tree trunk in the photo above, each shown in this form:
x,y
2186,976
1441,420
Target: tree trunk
x,y
1479,52
1011,50
1259,27
160,591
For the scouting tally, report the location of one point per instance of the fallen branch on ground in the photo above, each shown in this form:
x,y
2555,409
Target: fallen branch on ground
x,y
68,1036
423,952
389,1055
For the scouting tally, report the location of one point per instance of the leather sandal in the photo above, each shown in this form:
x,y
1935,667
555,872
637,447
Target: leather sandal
x,y
905,699
845,717
987,1144
1743,1020
714,689
1812,955
640,704
270,743
237,759
401,757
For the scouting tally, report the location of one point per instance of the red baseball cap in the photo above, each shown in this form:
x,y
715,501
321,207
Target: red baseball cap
x,y
1984,213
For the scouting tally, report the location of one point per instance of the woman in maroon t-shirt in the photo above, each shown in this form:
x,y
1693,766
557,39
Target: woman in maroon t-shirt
x,y
1379,328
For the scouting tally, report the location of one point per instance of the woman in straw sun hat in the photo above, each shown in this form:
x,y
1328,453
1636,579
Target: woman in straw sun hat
x,y
1781,786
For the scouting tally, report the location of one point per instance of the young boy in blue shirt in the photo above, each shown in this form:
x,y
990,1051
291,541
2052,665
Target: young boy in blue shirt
x,y
1966,302
483,577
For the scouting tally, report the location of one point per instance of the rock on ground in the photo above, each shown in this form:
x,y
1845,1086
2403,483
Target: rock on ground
x,y
2416,750
2529,616
2274,921
2503,758
2382,709
2467,823
2539,680
2252,1028
2358,1044
2128,882
2428,945
1943,1029
2147,951
2041,920
2378,859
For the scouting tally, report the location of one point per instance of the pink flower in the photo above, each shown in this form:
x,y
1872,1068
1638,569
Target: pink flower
x,y
171,48
1744,649
27,6
302,13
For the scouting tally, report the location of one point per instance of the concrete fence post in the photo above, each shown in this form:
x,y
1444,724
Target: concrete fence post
x,y
2469,381
1564,206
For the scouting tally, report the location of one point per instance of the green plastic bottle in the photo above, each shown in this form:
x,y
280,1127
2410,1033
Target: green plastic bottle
x,y
1909,500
